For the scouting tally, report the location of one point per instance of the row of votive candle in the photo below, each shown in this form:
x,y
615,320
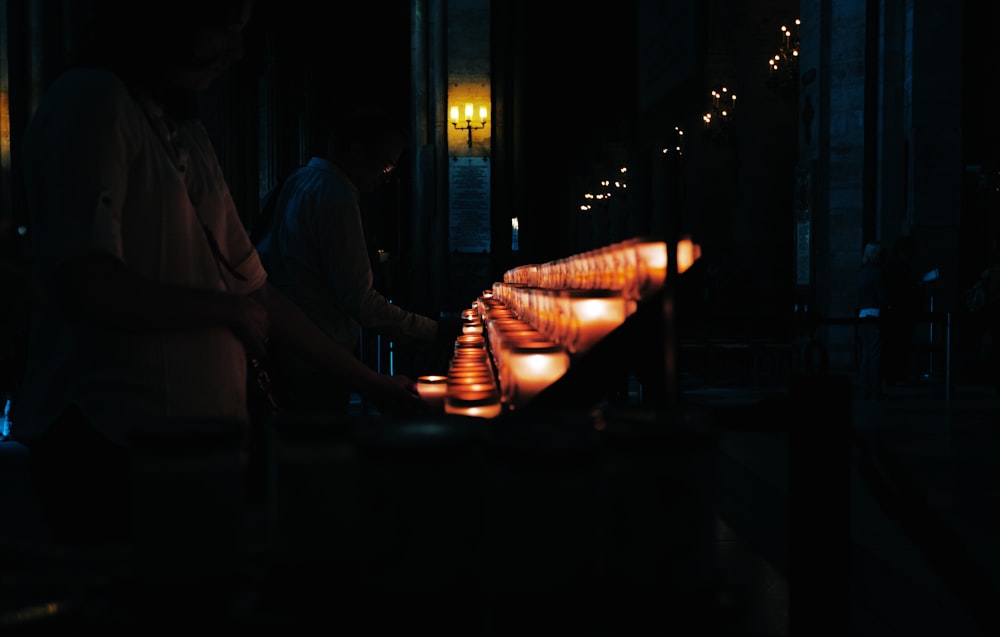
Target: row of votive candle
x,y
574,319
499,362
472,385
518,337
635,267
526,361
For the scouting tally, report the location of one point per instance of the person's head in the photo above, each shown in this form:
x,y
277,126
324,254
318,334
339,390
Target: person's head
x,y
166,45
872,254
367,145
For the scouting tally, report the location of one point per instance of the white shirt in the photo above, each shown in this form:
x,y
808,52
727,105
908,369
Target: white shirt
x,y
101,180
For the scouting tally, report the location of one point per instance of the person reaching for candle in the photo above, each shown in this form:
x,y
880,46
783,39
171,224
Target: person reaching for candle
x,y
153,296
311,239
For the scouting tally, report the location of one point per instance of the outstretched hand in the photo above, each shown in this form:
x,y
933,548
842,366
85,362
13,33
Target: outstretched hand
x,y
399,392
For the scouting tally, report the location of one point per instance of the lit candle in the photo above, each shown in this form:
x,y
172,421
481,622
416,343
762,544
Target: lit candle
x,y
468,111
529,367
687,253
479,404
482,114
469,353
470,381
471,340
472,327
651,266
433,389
587,316
454,113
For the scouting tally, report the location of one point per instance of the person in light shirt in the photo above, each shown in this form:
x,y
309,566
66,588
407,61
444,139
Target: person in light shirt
x,y
153,297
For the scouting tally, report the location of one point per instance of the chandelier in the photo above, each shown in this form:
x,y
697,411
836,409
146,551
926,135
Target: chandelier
x,y
783,66
720,115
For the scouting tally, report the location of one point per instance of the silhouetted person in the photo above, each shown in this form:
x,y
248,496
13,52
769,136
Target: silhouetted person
x,y
153,296
315,250
871,300
903,300
990,278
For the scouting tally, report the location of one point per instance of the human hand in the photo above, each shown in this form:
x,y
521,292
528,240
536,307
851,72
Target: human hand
x,y
398,392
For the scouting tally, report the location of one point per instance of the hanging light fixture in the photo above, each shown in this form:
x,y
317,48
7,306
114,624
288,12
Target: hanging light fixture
x,y
720,115
783,66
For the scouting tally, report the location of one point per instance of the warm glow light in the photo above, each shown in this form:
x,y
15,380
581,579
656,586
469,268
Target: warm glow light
x,y
530,367
586,316
687,253
477,382
4,130
598,318
470,110
433,389
472,327
471,340
480,404
651,269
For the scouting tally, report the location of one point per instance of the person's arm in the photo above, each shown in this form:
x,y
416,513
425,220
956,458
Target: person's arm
x,y
349,278
97,289
291,327
407,328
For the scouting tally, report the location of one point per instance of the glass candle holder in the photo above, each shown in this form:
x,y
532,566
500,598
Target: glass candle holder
x,y
475,403
433,389
529,367
472,327
651,266
584,317
470,341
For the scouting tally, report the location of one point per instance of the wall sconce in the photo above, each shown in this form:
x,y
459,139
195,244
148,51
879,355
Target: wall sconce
x,y
468,119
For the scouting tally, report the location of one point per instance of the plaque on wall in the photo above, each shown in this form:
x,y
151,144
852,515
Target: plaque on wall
x,y
469,204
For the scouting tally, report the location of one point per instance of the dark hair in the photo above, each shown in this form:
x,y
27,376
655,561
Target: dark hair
x,y
127,35
366,124
136,39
